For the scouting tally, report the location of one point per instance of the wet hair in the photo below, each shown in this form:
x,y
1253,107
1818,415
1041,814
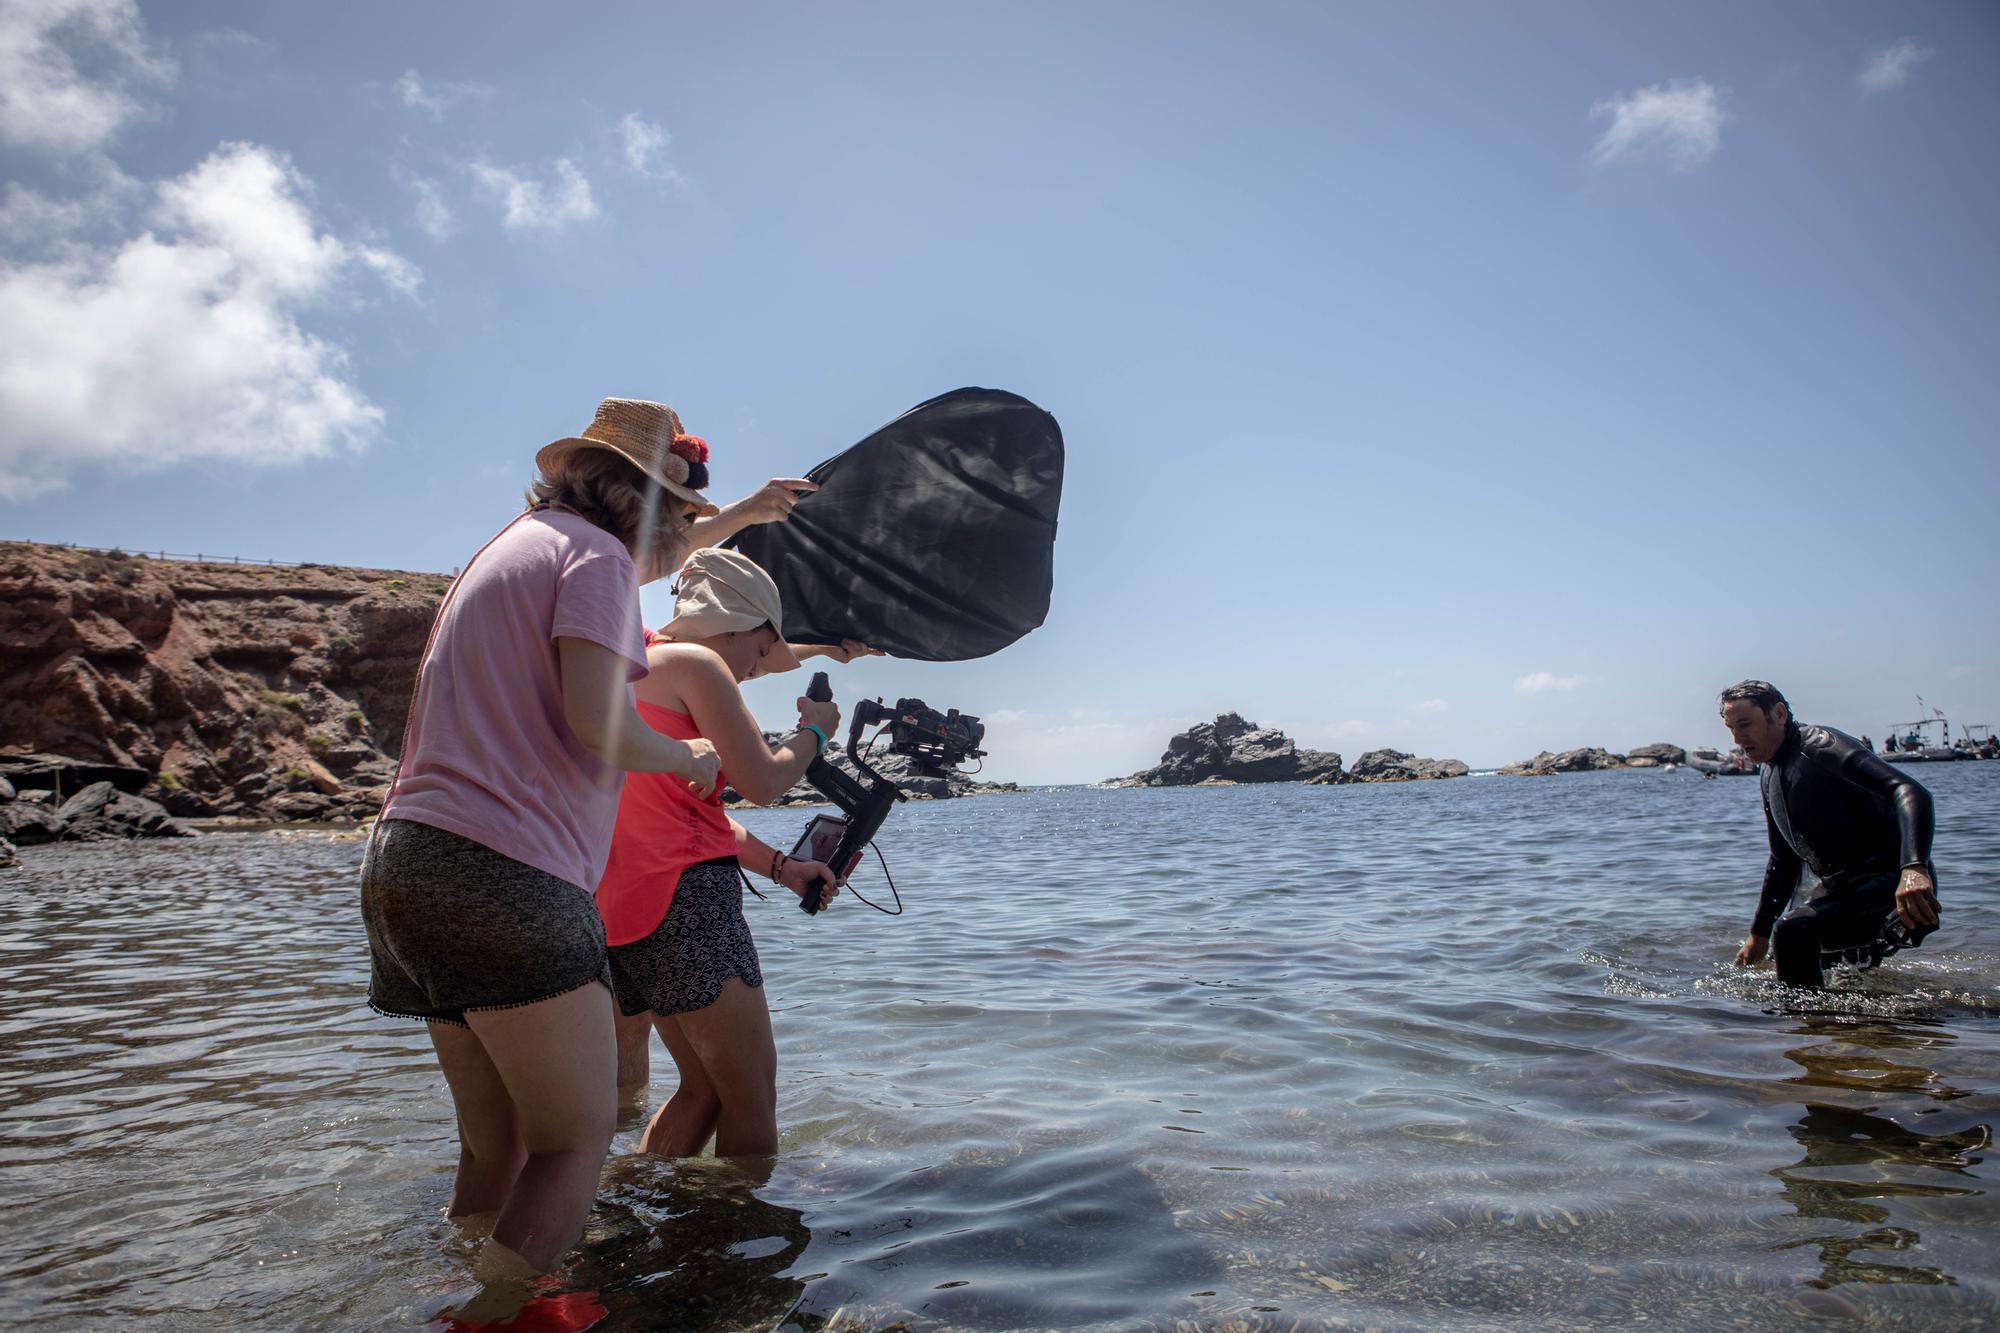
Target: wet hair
x,y
608,491
1760,692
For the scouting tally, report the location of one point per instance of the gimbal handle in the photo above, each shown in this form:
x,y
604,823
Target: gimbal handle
x,y
866,807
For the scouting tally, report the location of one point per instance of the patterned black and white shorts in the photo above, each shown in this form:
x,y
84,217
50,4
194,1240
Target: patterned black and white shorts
x,y
454,925
702,942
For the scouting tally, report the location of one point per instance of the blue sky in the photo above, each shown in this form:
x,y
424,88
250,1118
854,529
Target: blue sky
x,y
1470,379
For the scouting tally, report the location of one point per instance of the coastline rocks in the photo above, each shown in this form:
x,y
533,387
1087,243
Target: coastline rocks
x,y
207,686
1587,760
102,811
28,823
1396,766
97,812
1232,750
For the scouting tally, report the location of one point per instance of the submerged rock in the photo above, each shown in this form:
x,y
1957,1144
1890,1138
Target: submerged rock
x,y
1396,766
1231,750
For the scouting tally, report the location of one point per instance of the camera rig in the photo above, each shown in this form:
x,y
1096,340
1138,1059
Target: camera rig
x,y
934,740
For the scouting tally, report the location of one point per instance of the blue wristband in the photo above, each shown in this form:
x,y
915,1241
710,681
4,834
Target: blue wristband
x,y
807,726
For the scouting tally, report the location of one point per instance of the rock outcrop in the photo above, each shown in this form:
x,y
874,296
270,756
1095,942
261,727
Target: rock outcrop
x,y
230,689
1395,766
1656,755
1230,749
97,811
1585,760
897,768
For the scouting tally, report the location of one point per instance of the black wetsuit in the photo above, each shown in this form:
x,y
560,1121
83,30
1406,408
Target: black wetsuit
x,y
1857,822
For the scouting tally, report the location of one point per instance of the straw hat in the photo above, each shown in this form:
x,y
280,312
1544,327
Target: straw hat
x,y
648,436
721,592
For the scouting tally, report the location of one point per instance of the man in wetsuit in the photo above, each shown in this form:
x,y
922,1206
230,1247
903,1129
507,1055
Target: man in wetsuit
x,y
1861,825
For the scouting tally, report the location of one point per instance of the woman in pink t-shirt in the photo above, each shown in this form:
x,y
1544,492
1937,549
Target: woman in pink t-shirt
x,y
476,889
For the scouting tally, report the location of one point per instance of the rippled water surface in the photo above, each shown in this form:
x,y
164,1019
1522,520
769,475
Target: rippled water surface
x,y
1442,1055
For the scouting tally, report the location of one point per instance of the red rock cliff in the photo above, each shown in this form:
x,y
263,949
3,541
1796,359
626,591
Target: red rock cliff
x,y
244,689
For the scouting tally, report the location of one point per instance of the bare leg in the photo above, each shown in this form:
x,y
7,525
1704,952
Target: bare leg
x,y
732,1040
682,1125
635,1034
490,1153
558,1061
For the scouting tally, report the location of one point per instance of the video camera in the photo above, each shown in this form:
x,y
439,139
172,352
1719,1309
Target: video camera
x,y
935,740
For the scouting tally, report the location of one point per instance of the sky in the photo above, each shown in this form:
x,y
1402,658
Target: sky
x,y
1461,378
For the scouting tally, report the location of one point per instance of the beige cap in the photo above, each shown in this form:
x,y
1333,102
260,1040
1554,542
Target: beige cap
x,y
721,592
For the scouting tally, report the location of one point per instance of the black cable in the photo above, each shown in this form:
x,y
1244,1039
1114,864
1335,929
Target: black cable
x,y
892,886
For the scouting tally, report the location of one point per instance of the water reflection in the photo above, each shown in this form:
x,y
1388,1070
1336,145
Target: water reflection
x,y
691,1245
1859,1160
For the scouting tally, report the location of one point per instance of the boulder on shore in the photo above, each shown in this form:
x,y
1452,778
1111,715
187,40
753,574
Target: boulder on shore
x,y
1231,749
102,811
1396,766
26,823
1587,760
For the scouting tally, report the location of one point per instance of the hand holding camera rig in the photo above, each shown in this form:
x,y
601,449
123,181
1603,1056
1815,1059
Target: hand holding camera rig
x,y
936,741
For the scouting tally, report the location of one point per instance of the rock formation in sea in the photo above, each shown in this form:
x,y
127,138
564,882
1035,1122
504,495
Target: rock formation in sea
x,y
1657,755
214,688
1585,760
899,769
1395,766
1230,749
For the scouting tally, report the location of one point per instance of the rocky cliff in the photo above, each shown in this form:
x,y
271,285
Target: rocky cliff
x,y
258,690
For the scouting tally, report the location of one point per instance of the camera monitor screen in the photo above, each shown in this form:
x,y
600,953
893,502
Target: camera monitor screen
x,y
821,839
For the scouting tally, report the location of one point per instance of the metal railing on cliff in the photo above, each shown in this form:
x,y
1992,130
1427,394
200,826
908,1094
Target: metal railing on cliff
x,y
125,553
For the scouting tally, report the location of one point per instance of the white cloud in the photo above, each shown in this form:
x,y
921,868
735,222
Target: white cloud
x,y
1892,65
432,213
183,342
1542,682
1434,707
645,148
46,101
527,203
1680,122
435,98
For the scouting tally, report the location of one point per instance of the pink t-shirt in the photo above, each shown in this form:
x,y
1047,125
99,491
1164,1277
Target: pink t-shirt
x,y
489,755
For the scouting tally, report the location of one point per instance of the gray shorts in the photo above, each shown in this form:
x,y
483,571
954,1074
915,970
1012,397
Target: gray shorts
x,y
702,942
454,925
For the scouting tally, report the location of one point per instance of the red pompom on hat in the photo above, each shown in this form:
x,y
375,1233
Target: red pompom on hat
x,y
691,447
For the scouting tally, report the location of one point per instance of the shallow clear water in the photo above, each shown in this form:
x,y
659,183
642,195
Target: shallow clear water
x,y
1441,1055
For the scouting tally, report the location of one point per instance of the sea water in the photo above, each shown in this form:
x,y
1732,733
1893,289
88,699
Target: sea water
x,y
1460,1054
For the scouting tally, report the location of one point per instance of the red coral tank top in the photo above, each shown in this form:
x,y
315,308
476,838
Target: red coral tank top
x,y
663,828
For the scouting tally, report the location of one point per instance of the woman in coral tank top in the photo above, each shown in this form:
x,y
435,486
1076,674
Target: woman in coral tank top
x,y
672,896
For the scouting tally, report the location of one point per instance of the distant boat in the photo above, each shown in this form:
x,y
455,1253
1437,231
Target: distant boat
x,y
1713,763
1910,742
